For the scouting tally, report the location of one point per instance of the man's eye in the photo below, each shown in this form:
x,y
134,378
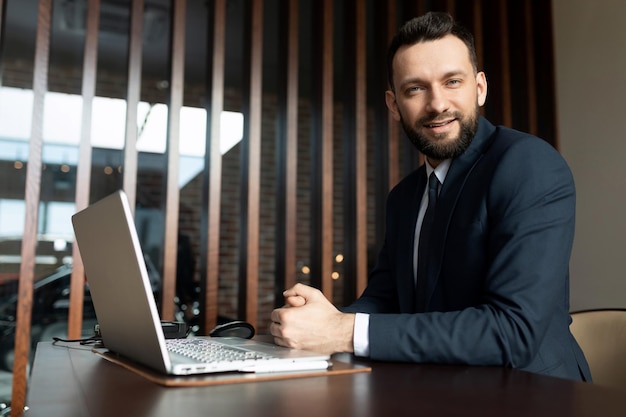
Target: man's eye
x,y
454,82
414,89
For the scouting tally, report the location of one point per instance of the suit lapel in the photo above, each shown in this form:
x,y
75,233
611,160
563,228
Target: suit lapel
x,y
406,274
459,170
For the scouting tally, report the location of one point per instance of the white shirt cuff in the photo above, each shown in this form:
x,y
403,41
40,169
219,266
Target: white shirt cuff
x,y
361,335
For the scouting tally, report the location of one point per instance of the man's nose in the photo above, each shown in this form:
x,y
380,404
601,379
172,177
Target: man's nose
x,y
437,101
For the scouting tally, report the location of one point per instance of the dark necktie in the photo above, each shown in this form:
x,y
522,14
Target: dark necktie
x,y
423,285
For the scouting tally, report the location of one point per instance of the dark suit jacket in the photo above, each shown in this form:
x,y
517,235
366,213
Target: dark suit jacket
x,y
502,238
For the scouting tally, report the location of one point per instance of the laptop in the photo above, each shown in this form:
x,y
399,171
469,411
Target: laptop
x,y
127,314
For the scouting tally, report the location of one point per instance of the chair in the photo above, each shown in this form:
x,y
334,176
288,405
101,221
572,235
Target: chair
x,y
601,335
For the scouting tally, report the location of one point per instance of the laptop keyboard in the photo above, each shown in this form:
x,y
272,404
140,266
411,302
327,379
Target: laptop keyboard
x,y
210,351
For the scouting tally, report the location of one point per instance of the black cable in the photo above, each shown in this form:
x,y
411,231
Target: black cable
x,y
85,341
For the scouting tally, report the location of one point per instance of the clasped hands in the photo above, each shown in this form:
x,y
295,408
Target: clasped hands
x,y
309,321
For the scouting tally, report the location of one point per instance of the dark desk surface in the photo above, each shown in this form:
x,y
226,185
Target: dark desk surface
x,y
74,381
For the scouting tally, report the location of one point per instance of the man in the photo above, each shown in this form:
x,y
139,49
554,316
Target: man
x,y
494,286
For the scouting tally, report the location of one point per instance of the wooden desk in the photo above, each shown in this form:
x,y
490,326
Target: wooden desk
x,y
70,382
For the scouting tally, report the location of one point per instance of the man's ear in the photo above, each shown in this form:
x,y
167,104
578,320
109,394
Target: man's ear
x,y
481,87
392,104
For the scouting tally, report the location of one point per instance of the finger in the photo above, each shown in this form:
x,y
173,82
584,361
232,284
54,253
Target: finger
x,y
295,301
275,329
280,342
276,315
301,290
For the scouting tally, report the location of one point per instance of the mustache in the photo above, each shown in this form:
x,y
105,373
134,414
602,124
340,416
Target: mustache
x,y
441,117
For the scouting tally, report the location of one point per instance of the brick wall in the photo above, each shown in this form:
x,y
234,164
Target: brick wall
x,y
231,211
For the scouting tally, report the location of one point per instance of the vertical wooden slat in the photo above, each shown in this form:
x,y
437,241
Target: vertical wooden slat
x,y
385,129
451,7
213,165
291,151
361,147
355,152
287,150
32,196
251,166
172,194
531,83
322,150
478,33
477,17
132,100
349,157
83,175
327,151
505,65
393,132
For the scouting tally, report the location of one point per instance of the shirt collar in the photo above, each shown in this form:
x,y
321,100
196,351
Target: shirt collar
x,y
441,171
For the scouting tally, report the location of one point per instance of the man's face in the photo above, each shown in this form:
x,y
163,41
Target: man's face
x,y
437,96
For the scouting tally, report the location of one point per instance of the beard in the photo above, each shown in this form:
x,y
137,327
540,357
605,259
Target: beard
x,y
439,150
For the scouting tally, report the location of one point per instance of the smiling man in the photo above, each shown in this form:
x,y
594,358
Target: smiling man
x,y
436,94
474,266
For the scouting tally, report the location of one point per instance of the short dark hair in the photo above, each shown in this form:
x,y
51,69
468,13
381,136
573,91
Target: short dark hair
x,y
429,27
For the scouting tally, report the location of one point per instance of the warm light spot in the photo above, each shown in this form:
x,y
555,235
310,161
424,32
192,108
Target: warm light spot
x,y
306,270
108,170
65,168
334,275
339,258
18,165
